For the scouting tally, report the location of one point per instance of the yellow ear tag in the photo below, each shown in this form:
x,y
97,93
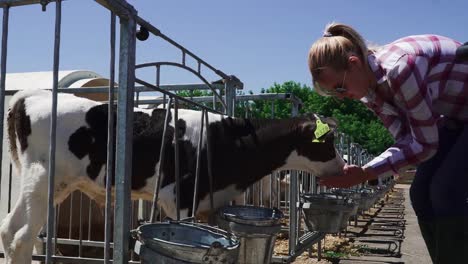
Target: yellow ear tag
x,y
320,130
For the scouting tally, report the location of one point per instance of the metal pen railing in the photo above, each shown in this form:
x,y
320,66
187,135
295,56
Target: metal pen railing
x,y
122,159
121,162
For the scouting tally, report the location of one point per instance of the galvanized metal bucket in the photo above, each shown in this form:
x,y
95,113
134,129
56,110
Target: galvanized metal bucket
x,y
326,212
353,195
256,227
368,199
381,191
183,242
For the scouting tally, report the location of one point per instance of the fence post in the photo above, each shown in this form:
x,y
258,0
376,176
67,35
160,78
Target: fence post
x,y
124,138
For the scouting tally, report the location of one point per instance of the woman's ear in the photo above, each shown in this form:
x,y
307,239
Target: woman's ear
x,y
354,60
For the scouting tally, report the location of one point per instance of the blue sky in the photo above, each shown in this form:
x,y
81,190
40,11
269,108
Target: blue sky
x,y
259,41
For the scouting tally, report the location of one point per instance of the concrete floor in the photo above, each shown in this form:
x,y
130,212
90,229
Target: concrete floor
x,y
413,248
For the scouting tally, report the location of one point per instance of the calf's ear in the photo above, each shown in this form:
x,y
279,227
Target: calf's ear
x,y
331,121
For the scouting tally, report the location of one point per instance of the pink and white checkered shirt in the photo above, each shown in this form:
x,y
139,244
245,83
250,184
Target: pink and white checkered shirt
x,y
419,81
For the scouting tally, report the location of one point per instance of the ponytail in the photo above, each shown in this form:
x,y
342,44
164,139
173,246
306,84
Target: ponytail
x,y
339,41
337,29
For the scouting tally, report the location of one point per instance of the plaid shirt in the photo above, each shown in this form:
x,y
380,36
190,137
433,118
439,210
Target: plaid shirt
x,y
419,82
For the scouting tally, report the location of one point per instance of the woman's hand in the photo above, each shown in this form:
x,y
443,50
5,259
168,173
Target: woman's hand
x,y
352,175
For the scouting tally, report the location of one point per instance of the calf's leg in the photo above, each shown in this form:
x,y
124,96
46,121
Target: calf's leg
x,y
33,207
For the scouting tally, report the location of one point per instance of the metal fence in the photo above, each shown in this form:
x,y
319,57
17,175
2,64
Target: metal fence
x,y
125,215
129,20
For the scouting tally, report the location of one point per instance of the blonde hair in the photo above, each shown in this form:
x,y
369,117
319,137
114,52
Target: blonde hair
x,y
339,41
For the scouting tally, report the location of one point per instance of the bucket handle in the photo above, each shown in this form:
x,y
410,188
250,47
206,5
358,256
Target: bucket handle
x,y
210,228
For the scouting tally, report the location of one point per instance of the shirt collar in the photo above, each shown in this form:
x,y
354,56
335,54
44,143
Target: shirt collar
x,y
379,74
376,68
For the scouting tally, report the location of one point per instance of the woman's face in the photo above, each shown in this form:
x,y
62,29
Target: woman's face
x,y
353,82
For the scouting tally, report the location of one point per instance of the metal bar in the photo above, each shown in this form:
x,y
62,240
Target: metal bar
x,y
162,156
207,99
124,139
80,231
223,107
121,8
11,3
296,100
3,60
104,89
247,110
245,197
230,91
132,223
61,259
197,168
295,108
348,149
271,188
174,64
233,102
76,242
158,33
265,96
314,184
292,211
183,57
213,99
176,153
175,96
191,95
70,219
210,161
53,132
298,213
90,215
158,81
293,198
110,145
278,182
57,214
260,193
308,240
286,194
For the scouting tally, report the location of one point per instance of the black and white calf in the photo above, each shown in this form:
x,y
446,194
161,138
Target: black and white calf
x,y
244,151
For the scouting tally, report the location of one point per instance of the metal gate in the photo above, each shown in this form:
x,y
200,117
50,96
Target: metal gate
x,y
223,101
125,95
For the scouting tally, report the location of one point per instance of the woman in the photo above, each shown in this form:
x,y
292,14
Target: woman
x,y
419,90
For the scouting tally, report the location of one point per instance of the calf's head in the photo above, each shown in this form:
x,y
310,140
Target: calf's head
x,y
315,148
